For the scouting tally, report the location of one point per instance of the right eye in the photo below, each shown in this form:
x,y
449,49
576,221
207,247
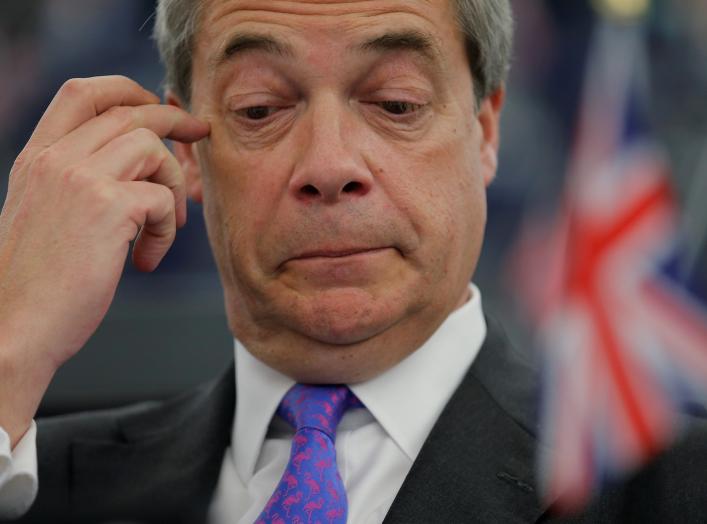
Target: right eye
x,y
257,112
399,108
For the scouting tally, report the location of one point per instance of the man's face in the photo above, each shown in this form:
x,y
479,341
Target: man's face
x,y
344,178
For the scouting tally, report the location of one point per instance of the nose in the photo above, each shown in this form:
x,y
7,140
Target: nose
x,y
330,168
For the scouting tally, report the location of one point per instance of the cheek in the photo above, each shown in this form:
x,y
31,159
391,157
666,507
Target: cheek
x,y
244,189
441,190
442,183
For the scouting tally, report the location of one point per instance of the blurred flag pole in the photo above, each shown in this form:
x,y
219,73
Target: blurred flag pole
x,y
623,340
696,212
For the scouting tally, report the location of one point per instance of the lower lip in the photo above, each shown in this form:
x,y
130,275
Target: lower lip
x,y
346,269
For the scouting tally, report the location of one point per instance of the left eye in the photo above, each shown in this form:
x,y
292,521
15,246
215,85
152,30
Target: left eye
x,y
397,107
257,112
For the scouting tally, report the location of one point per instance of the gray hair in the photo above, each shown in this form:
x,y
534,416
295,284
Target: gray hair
x,y
486,24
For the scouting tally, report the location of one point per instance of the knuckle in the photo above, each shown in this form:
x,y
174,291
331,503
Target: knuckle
x,y
149,144
103,195
136,210
77,88
124,118
174,111
121,78
145,138
166,195
44,163
164,203
74,176
22,161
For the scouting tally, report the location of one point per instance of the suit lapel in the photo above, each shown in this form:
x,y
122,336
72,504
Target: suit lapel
x,y
478,463
165,466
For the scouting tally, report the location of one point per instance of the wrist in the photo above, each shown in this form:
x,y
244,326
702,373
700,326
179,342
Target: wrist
x,y
24,378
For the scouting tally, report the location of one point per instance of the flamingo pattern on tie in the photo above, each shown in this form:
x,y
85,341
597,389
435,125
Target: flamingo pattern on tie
x,y
311,490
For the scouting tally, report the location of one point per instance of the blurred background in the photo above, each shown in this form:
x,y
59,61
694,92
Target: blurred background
x,y
167,330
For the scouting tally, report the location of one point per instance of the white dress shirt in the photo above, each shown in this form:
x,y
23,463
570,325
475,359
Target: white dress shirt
x,y
18,473
375,446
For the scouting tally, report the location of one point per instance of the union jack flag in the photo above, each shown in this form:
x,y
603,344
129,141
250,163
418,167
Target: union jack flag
x,y
623,338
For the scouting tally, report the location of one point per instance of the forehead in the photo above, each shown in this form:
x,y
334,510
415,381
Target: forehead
x,y
337,22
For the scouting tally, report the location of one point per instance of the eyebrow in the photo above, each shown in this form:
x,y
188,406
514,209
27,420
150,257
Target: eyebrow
x,y
243,42
406,40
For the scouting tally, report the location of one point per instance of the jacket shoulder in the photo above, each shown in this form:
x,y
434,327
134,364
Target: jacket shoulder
x,y
83,454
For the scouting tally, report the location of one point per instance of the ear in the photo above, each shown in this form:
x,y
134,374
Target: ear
x,y
186,154
489,118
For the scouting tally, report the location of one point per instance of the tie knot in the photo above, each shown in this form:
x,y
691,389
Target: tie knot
x,y
315,406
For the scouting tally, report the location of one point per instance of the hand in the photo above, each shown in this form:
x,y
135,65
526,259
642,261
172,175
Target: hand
x,y
94,174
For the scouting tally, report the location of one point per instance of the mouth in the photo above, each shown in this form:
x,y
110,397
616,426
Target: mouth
x,y
336,253
340,267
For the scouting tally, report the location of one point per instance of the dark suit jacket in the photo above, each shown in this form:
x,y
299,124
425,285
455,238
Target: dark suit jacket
x,y
160,462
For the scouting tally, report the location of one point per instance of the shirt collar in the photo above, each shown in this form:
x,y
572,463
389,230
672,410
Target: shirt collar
x,y
406,413
259,390
436,369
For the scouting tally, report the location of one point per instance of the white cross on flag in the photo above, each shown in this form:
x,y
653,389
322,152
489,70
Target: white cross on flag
x,y
623,340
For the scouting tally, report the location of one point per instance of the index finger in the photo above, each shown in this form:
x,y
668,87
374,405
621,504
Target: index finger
x,y
165,121
81,99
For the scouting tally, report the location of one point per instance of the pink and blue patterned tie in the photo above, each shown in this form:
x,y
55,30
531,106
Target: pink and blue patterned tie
x,y
311,489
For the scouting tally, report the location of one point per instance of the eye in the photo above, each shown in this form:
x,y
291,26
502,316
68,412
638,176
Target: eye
x,y
257,112
397,107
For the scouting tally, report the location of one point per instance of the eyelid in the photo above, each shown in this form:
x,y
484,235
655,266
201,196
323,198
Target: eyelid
x,y
406,120
397,95
244,101
403,94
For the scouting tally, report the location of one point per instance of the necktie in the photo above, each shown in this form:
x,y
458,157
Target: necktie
x,y
311,489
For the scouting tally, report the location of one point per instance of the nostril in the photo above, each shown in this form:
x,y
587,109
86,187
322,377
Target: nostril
x,y
310,190
353,187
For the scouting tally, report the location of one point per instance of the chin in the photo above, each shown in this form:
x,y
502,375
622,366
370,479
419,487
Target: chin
x,y
344,316
335,335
